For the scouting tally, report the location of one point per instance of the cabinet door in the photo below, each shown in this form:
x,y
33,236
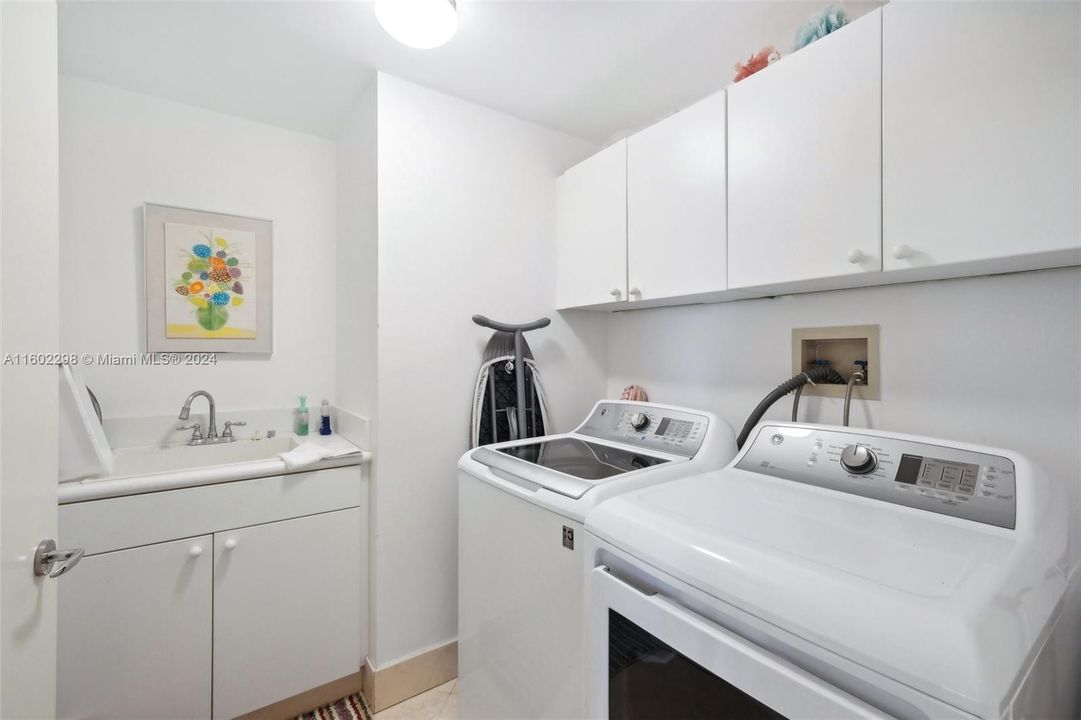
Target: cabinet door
x,y
287,609
135,633
982,145
804,162
676,204
591,230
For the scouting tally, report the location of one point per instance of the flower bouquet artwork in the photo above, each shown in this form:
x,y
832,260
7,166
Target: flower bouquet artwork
x,y
209,281
212,286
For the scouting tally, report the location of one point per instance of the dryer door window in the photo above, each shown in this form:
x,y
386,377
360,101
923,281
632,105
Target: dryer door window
x,y
648,679
651,658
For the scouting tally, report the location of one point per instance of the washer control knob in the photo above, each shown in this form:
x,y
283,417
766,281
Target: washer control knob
x,y
858,459
639,421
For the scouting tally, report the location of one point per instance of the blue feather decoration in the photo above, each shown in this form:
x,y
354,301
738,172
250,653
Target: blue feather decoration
x,y
820,25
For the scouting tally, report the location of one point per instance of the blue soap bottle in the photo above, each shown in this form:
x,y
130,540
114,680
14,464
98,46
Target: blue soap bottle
x,y
324,418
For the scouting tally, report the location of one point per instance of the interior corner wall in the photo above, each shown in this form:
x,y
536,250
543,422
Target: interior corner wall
x,y
466,217
357,258
356,298
119,149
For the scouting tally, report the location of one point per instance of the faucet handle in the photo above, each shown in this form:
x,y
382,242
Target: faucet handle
x,y
229,425
197,433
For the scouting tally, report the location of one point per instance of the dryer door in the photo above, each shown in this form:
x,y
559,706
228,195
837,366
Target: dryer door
x,y
664,660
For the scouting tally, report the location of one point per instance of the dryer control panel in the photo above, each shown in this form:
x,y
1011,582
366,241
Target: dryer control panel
x,y
938,478
674,431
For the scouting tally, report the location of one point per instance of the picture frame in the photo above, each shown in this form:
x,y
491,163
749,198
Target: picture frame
x,y
208,281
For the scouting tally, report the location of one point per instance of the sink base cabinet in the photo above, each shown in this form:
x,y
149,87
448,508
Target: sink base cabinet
x,y
286,609
215,624
134,633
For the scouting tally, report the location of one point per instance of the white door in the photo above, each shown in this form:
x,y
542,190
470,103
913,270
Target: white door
x,y
286,609
676,204
982,153
804,162
28,324
591,230
135,633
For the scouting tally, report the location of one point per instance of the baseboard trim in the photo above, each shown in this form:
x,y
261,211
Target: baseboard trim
x,y
402,680
309,699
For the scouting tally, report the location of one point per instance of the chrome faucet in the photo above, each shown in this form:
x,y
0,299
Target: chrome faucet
x,y
212,432
212,436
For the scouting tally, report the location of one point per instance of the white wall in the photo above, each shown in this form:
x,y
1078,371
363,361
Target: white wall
x,y
357,258
466,225
991,360
119,149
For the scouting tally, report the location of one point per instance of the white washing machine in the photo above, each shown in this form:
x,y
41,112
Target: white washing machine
x,y
837,573
521,570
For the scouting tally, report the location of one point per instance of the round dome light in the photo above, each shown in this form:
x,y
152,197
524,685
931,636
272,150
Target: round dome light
x,y
421,24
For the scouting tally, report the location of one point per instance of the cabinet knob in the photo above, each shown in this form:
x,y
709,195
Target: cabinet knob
x,y
195,550
230,544
636,292
902,251
616,293
856,257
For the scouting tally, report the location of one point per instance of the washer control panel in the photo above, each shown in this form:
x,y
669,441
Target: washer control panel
x,y
938,478
674,431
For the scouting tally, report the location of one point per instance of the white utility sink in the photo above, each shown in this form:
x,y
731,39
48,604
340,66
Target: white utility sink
x,y
154,468
128,462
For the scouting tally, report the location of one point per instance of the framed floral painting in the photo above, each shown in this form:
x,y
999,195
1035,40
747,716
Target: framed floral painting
x,y
208,281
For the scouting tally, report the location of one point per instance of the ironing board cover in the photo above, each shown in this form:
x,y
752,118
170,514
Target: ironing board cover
x,y
497,374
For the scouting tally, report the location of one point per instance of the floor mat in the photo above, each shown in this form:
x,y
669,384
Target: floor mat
x,y
352,707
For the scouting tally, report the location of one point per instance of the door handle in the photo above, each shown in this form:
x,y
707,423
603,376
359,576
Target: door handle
x,y
47,556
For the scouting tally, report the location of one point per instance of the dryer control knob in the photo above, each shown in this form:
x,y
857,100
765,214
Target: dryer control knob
x,y
858,459
639,421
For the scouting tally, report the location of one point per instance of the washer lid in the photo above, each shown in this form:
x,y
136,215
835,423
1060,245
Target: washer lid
x,y
566,465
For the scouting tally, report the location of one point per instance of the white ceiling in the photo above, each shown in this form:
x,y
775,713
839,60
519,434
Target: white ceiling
x,y
589,68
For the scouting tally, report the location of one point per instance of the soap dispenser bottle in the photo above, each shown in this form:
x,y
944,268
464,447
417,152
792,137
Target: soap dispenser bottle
x,y
324,418
300,417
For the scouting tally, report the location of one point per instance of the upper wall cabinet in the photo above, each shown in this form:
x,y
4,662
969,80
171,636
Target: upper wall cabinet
x,y
591,230
981,153
804,162
676,204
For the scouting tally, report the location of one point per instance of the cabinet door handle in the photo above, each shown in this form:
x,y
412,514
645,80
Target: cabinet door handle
x,y
46,556
230,543
616,293
902,251
856,257
636,292
195,550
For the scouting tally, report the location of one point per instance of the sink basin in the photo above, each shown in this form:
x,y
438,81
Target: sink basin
x,y
128,462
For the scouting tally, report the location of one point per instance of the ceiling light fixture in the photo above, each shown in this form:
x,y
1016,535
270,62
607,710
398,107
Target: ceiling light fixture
x,y
421,24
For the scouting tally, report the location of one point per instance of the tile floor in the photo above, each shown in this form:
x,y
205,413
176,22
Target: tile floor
x,y
440,703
